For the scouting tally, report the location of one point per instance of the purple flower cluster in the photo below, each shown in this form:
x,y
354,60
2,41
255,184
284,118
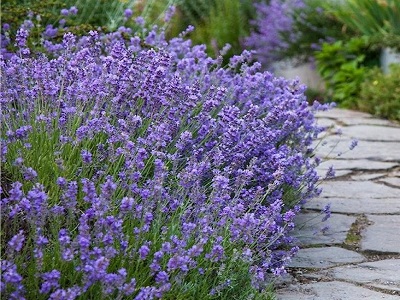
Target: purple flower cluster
x,y
273,19
178,163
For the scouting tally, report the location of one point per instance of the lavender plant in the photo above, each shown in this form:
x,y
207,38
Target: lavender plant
x,y
273,29
141,169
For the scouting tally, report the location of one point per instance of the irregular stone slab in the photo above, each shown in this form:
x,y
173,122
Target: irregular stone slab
x,y
338,113
366,121
312,258
309,225
326,122
333,290
357,206
283,280
395,181
366,177
357,189
383,235
382,274
373,133
356,164
349,117
337,148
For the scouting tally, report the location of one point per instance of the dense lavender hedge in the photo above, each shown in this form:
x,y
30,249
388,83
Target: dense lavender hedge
x,y
139,168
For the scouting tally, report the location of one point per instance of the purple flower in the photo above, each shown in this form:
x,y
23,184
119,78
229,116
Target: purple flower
x,y
178,262
86,156
64,12
30,174
169,13
15,193
128,13
162,277
330,173
23,132
143,251
140,21
17,241
11,277
22,35
289,216
327,211
18,161
50,31
126,204
273,20
100,265
62,182
38,199
50,281
63,237
353,144
73,10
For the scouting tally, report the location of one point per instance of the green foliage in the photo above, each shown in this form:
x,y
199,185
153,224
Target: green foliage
x,y
380,93
342,65
314,95
371,17
313,24
217,22
196,10
224,24
378,19
101,12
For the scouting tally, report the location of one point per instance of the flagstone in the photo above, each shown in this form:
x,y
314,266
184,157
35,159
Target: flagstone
x,y
382,235
373,133
338,148
357,189
382,274
357,206
333,290
316,258
309,227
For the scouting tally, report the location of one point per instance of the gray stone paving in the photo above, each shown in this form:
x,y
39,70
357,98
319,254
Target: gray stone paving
x,y
332,290
357,206
358,256
310,225
383,235
380,274
328,257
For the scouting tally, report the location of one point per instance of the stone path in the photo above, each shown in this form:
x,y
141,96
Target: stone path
x,y
358,256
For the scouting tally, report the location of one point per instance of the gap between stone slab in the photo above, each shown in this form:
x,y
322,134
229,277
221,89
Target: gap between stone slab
x,y
393,186
353,239
356,172
302,276
311,279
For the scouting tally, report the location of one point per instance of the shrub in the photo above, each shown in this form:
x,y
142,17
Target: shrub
x,y
380,93
343,65
141,168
